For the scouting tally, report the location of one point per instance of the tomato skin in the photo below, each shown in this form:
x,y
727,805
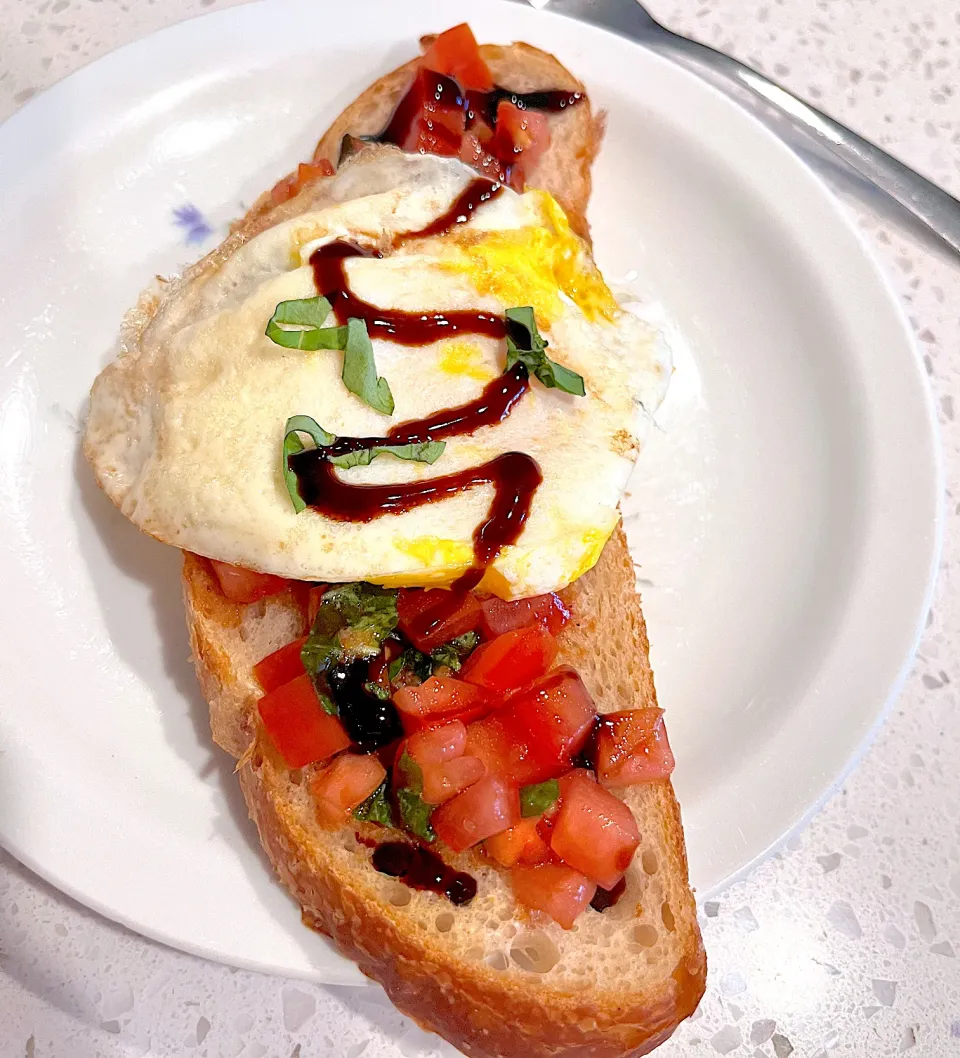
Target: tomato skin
x,y
439,698
557,890
482,810
307,173
298,726
475,151
632,748
511,660
594,832
281,666
343,784
521,138
246,585
520,844
443,781
314,598
433,616
538,731
500,616
456,53
435,745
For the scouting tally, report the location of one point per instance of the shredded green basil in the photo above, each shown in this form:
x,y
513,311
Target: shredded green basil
x,y
538,797
376,808
360,369
414,811
525,344
352,622
296,425
453,653
428,452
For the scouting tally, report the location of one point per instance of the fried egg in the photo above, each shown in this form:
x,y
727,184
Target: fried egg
x,y
185,427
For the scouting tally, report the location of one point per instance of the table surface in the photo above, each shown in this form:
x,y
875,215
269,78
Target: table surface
x,y
846,942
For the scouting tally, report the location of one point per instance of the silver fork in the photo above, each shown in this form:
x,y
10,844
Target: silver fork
x,y
936,210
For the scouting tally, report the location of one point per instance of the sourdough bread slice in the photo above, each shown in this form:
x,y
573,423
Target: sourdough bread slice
x,y
489,977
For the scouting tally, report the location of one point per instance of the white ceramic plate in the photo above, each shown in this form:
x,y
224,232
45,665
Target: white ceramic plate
x,y
786,516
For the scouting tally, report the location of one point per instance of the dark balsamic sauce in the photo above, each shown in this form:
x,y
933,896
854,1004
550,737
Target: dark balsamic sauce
x,y
476,193
405,328
587,756
604,898
370,722
420,868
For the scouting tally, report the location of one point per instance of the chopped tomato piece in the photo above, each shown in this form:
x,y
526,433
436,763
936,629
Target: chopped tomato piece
x,y
457,54
306,173
521,844
439,698
522,137
443,781
539,730
482,810
298,725
343,784
430,118
281,666
594,832
475,151
438,744
559,891
246,585
433,616
500,616
632,747
511,660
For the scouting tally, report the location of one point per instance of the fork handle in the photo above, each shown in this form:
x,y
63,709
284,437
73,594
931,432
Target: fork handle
x,y
931,205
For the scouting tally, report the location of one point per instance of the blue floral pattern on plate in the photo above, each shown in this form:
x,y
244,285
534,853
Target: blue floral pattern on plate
x,y
195,225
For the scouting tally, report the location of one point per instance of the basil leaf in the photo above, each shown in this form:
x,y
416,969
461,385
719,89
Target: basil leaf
x,y
360,371
296,425
525,344
452,654
428,452
376,808
410,773
415,814
413,661
377,690
538,797
307,316
352,622
329,705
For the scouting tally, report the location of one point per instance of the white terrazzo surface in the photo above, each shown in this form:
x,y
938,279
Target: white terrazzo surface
x,y
847,942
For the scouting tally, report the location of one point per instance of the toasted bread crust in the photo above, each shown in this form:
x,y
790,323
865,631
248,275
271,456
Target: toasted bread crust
x,y
486,1012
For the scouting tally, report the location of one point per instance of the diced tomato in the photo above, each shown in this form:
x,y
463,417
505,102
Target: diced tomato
x,y
522,137
246,585
343,784
298,725
281,666
430,118
594,832
307,173
484,809
433,616
559,891
434,745
314,596
500,616
443,781
457,54
539,730
521,844
632,747
475,151
439,698
511,660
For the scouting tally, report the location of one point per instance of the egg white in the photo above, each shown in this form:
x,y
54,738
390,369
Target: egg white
x,y
185,431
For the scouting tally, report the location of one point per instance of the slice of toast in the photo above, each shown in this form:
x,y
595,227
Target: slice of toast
x,y
492,979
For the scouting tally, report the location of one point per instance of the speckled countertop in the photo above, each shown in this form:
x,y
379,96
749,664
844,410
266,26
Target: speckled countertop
x,y
847,941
